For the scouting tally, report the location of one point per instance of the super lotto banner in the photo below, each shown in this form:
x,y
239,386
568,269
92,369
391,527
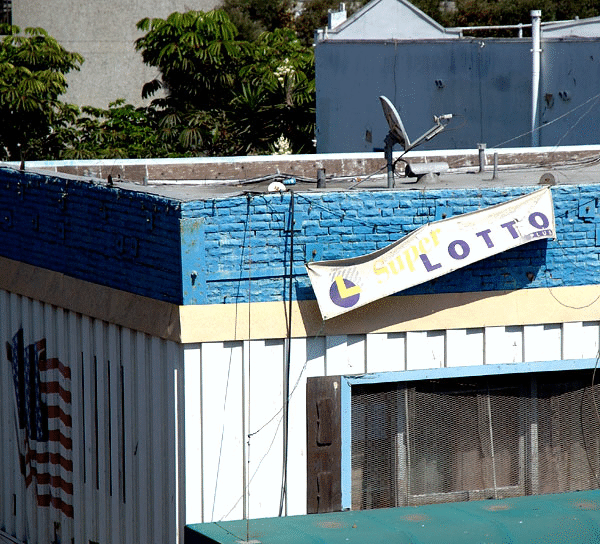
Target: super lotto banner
x,y
431,251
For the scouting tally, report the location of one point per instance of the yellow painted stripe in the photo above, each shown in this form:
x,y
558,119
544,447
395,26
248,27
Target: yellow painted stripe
x,y
267,320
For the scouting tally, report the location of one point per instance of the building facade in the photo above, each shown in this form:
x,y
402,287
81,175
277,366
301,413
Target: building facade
x,y
390,48
159,339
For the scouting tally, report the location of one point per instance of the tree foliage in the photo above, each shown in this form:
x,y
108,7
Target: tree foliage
x,y
220,91
33,66
197,54
253,17
505,12
315,15
121,131
226,96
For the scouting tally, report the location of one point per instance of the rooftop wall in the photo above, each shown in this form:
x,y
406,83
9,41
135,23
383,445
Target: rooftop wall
x,y
484,83
120,239
237,249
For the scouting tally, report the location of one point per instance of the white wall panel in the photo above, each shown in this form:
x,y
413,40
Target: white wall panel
x,y
265,444
580,340
130,481
385,352
193,434
222,430
425,349
345,354
307,361
542,342
166,434
464,347
503,345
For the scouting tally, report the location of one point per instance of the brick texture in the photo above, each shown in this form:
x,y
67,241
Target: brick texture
x,y
237,249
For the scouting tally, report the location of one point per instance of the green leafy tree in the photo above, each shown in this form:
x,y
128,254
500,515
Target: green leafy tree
x,y
33,66
253,17
197,54
314,15
226,96
277,97
199,59
121,131
505,12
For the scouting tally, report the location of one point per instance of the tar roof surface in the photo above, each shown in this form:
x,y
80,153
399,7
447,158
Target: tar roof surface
x,y
568,173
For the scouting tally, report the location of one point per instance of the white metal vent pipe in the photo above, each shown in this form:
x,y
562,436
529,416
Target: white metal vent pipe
x,y
536,17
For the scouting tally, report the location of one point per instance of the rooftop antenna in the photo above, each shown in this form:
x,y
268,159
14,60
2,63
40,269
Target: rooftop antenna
x,y
398,135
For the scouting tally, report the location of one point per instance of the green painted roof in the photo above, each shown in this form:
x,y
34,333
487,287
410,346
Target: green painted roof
x,y
567,517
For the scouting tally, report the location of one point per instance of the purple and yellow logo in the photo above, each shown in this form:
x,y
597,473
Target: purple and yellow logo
x,y
344,293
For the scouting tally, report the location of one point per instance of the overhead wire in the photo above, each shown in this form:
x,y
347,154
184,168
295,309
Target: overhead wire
x,y
316,335
286,403
595,97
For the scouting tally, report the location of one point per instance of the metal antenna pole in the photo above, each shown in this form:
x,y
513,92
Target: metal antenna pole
x,y
389,144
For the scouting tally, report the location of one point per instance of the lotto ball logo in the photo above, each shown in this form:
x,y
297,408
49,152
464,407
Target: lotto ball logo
x,y
344,293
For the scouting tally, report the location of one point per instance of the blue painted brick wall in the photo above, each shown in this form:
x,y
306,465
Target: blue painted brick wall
x,y
236,249
246,240
121,239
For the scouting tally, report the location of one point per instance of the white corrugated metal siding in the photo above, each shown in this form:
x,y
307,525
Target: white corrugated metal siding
x,y
234,397
126,467
142,469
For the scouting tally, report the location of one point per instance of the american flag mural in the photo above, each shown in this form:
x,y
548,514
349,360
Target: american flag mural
x,y
43,416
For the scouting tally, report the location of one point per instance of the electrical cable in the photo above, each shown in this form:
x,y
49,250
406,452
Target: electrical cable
x,y
546,124
286,403
246,495
229,373
316,335
576,122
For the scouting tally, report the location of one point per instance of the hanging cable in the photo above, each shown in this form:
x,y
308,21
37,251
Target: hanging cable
x,y
548,123
286,388
247,452
246,233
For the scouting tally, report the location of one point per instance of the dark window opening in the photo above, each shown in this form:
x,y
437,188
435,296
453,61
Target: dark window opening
x,y
6,12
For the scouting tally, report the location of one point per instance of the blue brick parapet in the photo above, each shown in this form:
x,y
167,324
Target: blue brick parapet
x,y
237,249
245,250
121,239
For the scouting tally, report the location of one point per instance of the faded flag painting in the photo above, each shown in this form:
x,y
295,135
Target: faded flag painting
x,y
43,423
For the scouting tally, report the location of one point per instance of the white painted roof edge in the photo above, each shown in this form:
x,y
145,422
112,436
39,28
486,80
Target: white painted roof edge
x,y
299,158
556,26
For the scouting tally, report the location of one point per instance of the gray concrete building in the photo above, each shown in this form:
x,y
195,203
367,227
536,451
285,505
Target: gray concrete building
x,y
104,33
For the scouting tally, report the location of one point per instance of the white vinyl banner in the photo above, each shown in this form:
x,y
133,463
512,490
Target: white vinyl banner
x,y
431,251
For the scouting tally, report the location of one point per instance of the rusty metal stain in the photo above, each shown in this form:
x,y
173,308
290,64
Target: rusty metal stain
x,y
497,507
329,525
587,505
415,517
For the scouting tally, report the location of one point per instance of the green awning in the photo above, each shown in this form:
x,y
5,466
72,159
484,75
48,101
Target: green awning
x,y
566,517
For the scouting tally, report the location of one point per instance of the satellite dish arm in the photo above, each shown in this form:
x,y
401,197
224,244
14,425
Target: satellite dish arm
x,y
440,124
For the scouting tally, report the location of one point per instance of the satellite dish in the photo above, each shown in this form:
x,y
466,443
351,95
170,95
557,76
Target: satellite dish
x,y
395,123
397,131
398,135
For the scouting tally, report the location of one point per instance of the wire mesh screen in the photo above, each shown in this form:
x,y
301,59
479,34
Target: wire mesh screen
x,y
473,438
